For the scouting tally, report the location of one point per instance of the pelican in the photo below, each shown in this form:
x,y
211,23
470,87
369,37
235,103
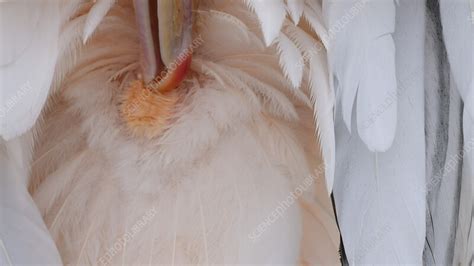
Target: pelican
x,y
166,132
186,132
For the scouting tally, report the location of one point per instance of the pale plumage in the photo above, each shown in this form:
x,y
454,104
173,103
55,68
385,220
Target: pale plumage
x,y
33,39
380,196
24,238
295,9
95,17
236,173
294,61
271,15
365,70
240,144
464,246
458,33
397,176
27,63
444,145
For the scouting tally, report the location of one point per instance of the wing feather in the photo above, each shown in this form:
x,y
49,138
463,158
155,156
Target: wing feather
x,y
24,84
271,14
459,38
380,197
291,60
322,95
323,99
378,91
24,238
295,8
458,33
365,68
464,246
300,51
95,16
317,25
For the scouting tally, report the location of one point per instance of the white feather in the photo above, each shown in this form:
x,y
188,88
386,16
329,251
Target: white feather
x,y
267,75
24,238
277,102
292,43
271,14
378,85
306,43
464,247
216,14
322,95
295,8
25,85
365,67
317,25
458,31
291,60
380,198
95,16
323,98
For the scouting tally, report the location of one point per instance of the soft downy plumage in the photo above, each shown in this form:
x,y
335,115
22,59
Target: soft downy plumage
x,y
243,141
215,186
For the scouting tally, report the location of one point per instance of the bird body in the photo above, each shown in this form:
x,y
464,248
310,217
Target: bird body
x,y
212,132
228,175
